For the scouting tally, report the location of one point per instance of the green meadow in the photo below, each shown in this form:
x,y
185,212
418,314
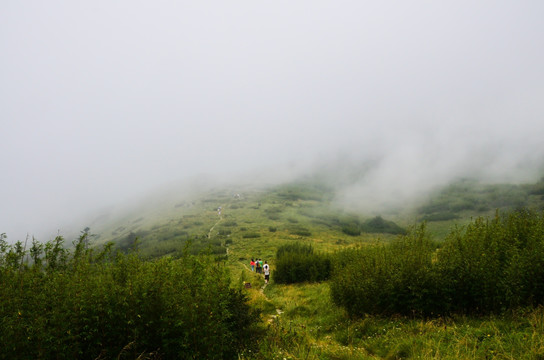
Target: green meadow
x,y
462,278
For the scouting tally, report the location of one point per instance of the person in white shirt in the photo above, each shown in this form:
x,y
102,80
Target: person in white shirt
x,y
266,270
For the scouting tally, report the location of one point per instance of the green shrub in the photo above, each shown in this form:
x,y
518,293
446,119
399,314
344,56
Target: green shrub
x,y
83,304
494,265
379,225
273,213
299,263
351,229
387,279
300,231
252,235
224,232
488,267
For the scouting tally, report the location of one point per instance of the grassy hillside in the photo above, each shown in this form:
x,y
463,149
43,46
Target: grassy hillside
x,y
305,211
295,211
301,321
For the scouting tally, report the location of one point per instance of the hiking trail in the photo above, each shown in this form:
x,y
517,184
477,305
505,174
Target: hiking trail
x,y
214,225
261,290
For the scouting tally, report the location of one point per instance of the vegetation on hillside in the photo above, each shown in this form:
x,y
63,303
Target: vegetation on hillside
x,y
297,263
488,267
461,284
469,196
103,305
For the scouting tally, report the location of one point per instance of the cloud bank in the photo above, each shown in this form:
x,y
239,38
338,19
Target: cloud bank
x,y
104,101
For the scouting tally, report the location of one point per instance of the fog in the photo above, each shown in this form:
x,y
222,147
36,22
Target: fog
x,y
102,102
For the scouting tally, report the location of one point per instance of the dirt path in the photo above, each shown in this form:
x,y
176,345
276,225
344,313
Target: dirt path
x,y
214,225
261,290
262,287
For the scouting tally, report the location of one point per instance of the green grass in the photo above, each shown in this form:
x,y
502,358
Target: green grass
x,y
310,327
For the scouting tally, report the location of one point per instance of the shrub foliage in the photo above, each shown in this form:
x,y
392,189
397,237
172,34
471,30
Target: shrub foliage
x,y
394,278
83,304
488,267
299,263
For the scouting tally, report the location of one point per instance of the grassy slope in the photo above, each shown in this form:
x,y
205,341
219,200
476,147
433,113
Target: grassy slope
x,y
310,326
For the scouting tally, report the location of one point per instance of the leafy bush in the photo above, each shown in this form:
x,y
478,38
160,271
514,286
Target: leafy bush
x,y
379,225
299,263
300,231
350,225
351,228
87,305
387,279
251,235
224,232
273,213
488,267
494,265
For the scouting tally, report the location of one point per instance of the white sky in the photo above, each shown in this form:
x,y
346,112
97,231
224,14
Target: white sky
x,y
101,101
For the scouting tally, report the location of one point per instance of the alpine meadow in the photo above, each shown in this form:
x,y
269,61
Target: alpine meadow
x,y
178,283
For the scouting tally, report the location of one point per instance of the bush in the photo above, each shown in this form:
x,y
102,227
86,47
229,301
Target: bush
x,y
379,225
350,225
387,279
298,263
251,235
351,229
87,305
300,231
494,265
224,232
273,213
488,267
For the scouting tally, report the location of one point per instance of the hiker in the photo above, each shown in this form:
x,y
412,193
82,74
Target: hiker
x,y
266,269
261,265
258,266
252,263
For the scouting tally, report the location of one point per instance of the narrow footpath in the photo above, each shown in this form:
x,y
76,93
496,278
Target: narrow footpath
x,y
278,311
214,225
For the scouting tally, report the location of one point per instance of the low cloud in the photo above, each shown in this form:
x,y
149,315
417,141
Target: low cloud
x,y
103,103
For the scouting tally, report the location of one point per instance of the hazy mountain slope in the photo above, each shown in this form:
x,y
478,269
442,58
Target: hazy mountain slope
x,y
306,209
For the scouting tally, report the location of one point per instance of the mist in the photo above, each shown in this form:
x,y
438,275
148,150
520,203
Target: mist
x,y
104,102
